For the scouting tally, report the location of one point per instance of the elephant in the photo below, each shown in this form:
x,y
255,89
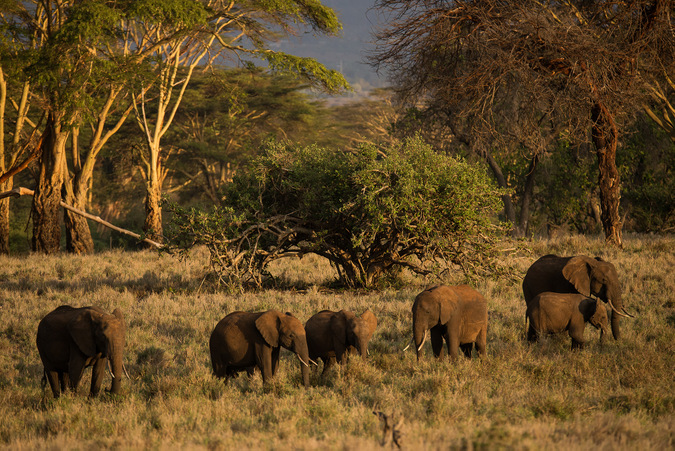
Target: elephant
x,y
244,340
332,335
551,313
579,274
457,314
70,339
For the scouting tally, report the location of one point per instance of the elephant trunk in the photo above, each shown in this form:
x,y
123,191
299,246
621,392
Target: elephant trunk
x,y
419,336
302,352
115,360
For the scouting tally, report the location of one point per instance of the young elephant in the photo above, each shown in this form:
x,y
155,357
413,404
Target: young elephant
x,y
243,340
70,339
550,313
332,335
457,314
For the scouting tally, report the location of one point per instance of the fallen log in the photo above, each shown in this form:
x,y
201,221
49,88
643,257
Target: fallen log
x,y
20,191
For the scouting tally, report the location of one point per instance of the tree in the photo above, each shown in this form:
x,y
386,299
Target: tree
x,y
369,211
585,65
194,34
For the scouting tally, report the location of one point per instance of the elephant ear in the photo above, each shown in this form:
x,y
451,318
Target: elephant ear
x,y
81,329
338,326
370,319
268,325
577,272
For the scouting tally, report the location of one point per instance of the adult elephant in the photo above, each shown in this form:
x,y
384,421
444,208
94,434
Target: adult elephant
x,y
332,335
579,274
457,314
70,339
243,340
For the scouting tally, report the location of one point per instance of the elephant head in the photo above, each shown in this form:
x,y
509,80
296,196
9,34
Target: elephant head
x,y
352,330
596,277
97,333
595,313
278,329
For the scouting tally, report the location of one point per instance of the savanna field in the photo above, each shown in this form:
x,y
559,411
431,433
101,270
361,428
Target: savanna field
x,y
543,396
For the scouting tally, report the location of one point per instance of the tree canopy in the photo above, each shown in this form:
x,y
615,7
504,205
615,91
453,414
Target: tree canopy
x,y
579,68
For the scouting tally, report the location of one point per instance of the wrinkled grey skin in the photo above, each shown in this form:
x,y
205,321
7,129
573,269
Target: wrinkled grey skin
x,y
457,314
243,340
71,339
332,335
550,313
580,274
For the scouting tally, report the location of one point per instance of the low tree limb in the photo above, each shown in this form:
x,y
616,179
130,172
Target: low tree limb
x,y
20,191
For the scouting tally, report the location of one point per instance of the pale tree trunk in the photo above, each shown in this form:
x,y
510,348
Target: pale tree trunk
x,y
4,217
46,202
605,138
77,188
528,193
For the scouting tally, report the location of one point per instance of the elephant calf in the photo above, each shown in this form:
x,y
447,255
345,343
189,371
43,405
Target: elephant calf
x,y
244,340
332,335
457,314
550,313
70,339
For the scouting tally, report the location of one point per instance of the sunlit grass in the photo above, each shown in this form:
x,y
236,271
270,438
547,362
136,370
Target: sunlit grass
x,y
621,395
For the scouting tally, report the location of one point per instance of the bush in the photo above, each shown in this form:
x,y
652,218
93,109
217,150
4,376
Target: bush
x,y
370,212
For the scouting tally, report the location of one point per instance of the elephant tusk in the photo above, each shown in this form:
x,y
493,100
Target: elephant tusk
x,y
313,362
625,315
110,370
423,340
125,370
302,361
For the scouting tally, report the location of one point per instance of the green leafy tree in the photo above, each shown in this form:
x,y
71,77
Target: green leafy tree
x,y
369,211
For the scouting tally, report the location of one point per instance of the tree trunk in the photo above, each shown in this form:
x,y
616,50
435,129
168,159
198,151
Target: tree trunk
x,y
605,138
509,211
78,234
4,218
527,198
46,202
153,211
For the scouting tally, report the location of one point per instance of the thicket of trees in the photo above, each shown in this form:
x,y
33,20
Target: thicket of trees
x,y
519,76
90,64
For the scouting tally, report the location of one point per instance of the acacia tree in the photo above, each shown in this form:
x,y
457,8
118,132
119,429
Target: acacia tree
x,y
194,34
583,65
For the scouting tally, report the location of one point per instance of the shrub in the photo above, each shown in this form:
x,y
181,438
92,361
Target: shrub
x,y
370,212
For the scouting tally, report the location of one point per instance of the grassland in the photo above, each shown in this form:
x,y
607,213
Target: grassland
x,y
618,396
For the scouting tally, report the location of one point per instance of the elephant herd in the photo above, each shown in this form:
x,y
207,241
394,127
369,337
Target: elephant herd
x,y
558,292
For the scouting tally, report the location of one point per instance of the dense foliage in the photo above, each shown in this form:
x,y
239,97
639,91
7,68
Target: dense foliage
x,y
369,211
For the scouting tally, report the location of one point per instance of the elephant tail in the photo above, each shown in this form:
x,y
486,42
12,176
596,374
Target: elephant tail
x,y
43,382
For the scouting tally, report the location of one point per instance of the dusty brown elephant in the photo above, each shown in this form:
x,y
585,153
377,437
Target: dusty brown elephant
x,y
580,274
244,340
551,313
70,339
332,335
457,314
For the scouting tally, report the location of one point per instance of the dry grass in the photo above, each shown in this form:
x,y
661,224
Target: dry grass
x,y
525,397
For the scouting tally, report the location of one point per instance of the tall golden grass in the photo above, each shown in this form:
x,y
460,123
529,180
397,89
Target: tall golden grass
x,y
619,396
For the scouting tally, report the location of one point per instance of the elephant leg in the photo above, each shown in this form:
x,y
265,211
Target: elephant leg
x,y
64,379
75,369
437,341
275,360
97,376
452,338
481,342
466,349
577,339
53,378
532,335
265,364
328,362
